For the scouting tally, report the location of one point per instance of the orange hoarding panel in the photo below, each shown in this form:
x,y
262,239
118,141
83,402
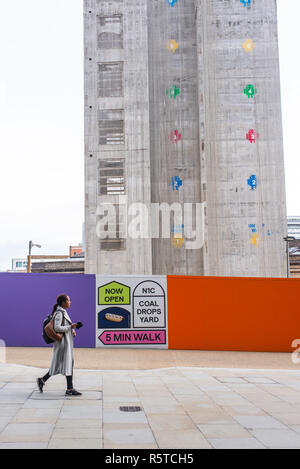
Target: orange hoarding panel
x,y
245,314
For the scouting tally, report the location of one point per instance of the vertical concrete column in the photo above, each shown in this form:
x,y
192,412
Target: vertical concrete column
x,y
202,77
174,126
91,134
246,207
137,139
129,52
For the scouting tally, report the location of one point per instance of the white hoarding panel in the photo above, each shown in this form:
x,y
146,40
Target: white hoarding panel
x,y
131,311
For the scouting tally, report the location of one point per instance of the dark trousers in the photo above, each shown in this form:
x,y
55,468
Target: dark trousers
x,y
69,380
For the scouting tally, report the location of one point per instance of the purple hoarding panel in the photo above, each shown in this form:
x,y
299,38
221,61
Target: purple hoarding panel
x,y
26,300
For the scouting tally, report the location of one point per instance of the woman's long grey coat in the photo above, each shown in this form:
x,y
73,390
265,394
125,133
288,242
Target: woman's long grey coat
x,y
62,358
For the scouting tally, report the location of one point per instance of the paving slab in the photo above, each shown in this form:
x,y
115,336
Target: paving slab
x,y
75,443
43,404
47,395
157,400
166,422
13,396
77,432
247,409
26,432
24,445
296,428
230,379
44,415
81,413
288,418
127,446
278,439
204,416
80,423
258,379
278,407
236,443
114,415
18,386
200,401
163,409
127,434
228,430
258,421
190,438
3,422
9,410
81,401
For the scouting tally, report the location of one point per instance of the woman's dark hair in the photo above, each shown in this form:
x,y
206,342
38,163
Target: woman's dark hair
x,y
59,301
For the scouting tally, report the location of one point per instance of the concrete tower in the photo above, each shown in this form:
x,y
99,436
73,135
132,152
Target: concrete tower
x,y
182,106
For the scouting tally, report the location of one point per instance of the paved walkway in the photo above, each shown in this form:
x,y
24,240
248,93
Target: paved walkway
x,y
180,408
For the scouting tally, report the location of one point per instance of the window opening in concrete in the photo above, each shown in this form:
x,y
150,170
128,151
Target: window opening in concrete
x,y
113,233
111,127
113,245
110,82
111,177
110,32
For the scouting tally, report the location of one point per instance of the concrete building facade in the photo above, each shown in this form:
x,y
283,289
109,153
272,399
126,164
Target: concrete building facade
x,y
182,106
19,265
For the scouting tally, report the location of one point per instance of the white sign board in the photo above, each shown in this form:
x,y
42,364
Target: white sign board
x,y
131,312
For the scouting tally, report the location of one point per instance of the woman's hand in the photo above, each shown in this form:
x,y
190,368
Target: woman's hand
x,y
74,333
74,326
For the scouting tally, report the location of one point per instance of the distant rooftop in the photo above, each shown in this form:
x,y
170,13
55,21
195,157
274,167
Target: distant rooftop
x,y
294,226
80,255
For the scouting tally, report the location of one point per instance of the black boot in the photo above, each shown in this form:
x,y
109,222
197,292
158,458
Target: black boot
x,y
40,384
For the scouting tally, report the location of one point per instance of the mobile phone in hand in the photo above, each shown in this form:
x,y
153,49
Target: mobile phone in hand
x,y
79,325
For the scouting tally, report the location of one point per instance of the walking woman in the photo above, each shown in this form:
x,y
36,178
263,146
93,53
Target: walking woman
x,y
62,358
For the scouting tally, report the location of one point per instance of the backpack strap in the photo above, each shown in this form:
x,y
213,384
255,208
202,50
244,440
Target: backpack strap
x,y
63,318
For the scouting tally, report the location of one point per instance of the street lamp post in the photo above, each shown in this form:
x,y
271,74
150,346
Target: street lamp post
x,y
31,245
287,240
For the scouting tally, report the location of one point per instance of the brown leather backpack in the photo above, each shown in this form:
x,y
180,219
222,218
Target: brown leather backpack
x,y
50,332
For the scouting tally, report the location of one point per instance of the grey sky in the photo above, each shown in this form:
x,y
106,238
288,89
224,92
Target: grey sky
x,y
41,122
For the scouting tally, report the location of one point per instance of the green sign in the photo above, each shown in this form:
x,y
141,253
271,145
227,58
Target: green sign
x,y
114,293
250,91
173,92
